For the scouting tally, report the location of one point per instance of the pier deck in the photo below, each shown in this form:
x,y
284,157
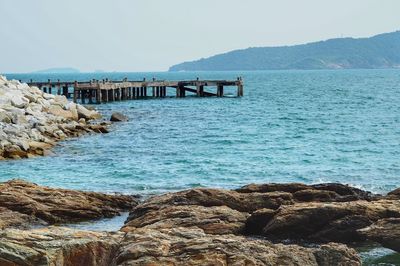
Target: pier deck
x,y
104,91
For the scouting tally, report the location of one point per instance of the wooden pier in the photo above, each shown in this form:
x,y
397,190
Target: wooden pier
x,y
96,91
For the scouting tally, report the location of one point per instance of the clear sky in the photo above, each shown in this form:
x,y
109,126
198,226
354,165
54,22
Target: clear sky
x,y
151,35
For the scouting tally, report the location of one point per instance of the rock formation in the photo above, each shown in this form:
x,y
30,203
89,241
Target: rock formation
x,y
31,121
386,232
118,117
57,246
270,224
29,204
192,246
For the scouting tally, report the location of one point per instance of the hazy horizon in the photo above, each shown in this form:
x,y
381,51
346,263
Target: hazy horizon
x,y
152,35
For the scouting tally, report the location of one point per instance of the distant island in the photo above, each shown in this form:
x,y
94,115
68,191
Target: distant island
x,y
60,70
380,51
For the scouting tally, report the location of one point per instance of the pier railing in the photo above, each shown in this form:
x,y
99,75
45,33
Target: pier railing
x,y
103,91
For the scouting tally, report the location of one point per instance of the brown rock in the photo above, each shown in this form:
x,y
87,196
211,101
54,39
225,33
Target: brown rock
x,y
57,246
188,246
395,194
318,192
338,221
385,231
208,197
60,205
14,219
273,187
213,220
258,220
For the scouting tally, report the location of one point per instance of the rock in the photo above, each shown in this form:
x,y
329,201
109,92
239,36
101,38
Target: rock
x,y
87,114
12,219
207,197
19,102
395,194
59,111
118,117
61,205
213,220
57,246
5,117
258,220
385,231
318,192
190,246
272,187
325,222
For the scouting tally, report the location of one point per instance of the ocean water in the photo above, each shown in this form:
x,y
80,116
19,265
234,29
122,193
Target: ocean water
x,y
290,126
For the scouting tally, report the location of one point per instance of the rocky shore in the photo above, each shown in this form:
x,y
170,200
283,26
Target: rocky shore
x,y
269,224
31,122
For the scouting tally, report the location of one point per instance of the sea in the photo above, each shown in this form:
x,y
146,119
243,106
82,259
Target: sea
x,y
290,126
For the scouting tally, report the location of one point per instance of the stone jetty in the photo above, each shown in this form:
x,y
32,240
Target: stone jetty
x,y
268,224
31,121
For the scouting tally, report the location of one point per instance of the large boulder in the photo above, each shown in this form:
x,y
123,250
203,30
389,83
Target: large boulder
x,y
87,114
59,111
118,117
213,220
61,205
57,246
191,246
385,231
325,222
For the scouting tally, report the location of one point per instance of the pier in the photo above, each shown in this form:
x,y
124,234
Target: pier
x,y
103,91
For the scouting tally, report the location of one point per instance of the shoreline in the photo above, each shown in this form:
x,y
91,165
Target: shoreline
x,y
252,223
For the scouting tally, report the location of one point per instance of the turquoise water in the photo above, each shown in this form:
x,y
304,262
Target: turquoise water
x,y
290,126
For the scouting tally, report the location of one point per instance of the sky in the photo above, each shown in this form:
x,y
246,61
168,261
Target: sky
x,y
152,35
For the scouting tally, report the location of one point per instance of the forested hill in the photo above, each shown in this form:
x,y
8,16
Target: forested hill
x,y
380,51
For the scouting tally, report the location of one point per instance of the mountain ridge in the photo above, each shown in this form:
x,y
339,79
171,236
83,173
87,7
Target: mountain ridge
x,y
379,51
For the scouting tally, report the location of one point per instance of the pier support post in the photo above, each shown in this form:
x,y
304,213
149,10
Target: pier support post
x,y
75,91
200,90
90,95
111,95
83,96
240,90
145,91
157,91
75,95
137,92
58,87
119,94
220,91
98,95
65,91
104,95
